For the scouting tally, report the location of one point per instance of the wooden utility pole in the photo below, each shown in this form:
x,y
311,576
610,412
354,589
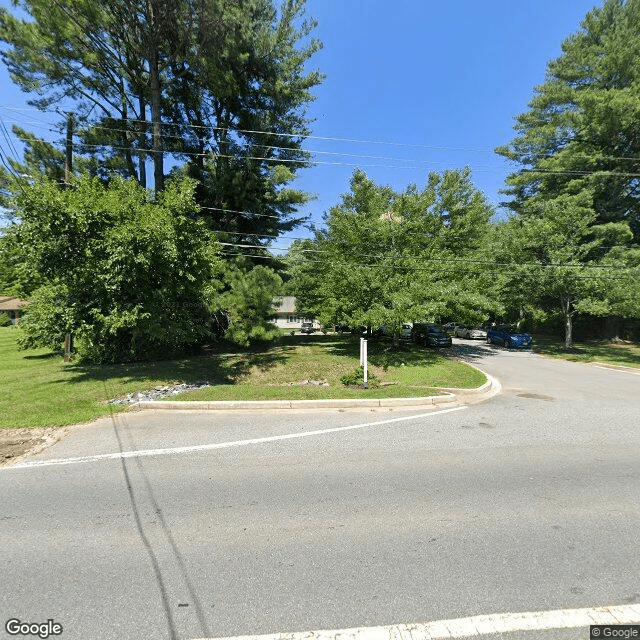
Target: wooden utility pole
x,y
68,163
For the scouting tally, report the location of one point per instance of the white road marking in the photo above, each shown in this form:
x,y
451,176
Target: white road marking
x,y
471,627
218,445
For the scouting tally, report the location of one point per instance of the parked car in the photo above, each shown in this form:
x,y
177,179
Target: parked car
x,y
451,327
307,327
385,331
469,331
508,336
430,335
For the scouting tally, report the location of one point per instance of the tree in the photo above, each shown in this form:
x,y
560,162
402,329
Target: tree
x,y
387,257
580,133
577,194
556,256
130,277
219,84
248,302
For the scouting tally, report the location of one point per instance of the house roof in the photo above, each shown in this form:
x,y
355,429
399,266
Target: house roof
x,y
285,304
11,303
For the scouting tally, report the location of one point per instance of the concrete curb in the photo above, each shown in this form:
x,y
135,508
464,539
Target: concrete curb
x,y
235,405
485,391
615,367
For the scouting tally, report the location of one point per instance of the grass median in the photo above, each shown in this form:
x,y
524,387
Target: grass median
x,y
618,352
39,390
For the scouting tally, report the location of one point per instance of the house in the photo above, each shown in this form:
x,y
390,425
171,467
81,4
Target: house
x,y
12,306
286,316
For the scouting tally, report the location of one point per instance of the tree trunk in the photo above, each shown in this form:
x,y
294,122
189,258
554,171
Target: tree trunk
x,y
568,331
568,321
154,77
142,156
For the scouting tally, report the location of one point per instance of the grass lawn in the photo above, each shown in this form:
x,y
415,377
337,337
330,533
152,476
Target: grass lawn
x,y
277,373
622,353
39,390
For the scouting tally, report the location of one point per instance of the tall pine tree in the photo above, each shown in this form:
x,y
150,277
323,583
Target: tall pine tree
x,y
221,87
581,130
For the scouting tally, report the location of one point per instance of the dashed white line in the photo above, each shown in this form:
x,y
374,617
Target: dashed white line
x,y
218,445
471,627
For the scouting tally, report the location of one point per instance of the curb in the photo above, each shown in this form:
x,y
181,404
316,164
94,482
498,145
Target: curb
x,y
485,391
234,405
615,367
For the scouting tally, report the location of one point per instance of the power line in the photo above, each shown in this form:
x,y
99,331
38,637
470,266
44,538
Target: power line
x,y
384,258
303,161
470,271
304,136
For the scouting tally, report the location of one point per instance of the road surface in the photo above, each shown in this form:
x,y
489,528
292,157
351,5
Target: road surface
x,y
199,525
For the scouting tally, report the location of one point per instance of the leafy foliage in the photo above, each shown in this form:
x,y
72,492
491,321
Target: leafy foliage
x,y
577,193
580,133
386,257
248,303
128,276
47,319
356,378
222,87
560,261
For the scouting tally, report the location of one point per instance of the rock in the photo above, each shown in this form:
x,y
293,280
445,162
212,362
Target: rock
x,y
157,393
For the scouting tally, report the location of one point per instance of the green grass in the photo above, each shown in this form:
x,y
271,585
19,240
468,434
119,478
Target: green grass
x,y
40,390
277,373
621,353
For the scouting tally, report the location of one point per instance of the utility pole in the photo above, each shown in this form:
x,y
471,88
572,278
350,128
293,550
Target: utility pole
x,y
68,164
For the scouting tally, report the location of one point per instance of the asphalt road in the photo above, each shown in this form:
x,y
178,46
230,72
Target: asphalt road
x,y
296,521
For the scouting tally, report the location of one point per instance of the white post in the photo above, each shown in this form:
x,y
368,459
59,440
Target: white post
x,y
361,352
366,375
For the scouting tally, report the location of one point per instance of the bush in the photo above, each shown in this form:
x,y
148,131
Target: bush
x,y
356,379
5,320
131,276
47,319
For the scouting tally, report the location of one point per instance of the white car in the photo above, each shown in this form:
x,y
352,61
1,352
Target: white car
x,y
470,332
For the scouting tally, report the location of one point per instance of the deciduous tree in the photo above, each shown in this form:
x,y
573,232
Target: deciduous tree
x,y
388,257
130,277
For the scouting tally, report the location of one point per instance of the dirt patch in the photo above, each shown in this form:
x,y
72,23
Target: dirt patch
x,y
16,444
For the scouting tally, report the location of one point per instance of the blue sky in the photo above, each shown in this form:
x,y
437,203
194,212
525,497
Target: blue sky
x,y
429,85
448,77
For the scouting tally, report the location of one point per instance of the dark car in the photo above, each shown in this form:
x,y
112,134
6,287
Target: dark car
x,y
430,335
307,327
385,331
509,336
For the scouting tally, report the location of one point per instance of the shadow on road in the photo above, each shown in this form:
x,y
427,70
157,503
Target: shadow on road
x,y
136,496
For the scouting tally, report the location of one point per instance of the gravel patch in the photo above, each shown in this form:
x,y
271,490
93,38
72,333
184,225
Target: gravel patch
x,y
158,393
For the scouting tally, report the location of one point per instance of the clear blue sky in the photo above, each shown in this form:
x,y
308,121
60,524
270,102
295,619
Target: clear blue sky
x,y
446,77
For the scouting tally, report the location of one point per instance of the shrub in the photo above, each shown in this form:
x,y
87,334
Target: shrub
x,y
356,378
129,275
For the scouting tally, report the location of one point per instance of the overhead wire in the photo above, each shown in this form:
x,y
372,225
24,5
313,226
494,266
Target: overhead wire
x,y
310,162
308,137
395,258
470,270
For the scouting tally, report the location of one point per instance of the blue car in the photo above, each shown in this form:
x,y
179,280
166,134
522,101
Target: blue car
x,y
508,336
